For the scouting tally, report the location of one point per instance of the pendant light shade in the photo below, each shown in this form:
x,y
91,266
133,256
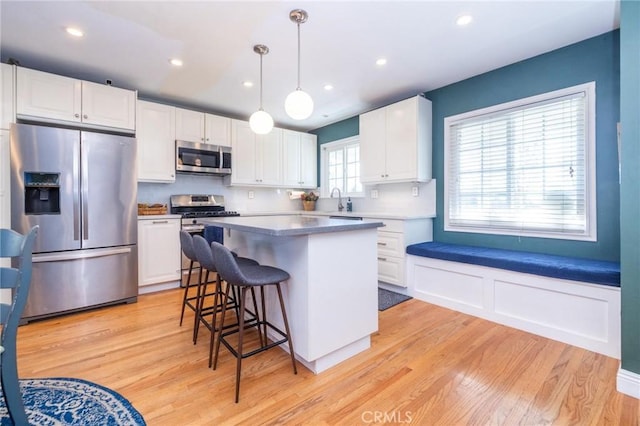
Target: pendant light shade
x,y
260,121
298,104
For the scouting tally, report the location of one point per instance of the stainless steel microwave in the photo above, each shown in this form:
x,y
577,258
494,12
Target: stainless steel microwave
x,y
203,158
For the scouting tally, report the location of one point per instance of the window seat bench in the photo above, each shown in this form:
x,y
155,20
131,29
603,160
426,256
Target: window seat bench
x,y
573,300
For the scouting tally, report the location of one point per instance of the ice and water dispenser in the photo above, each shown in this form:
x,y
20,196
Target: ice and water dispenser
x,y
41,193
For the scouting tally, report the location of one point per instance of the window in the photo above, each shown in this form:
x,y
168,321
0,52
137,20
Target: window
x,y
524,168
340,167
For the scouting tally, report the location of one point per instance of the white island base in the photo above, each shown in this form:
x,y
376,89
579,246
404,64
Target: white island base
x,y
331,298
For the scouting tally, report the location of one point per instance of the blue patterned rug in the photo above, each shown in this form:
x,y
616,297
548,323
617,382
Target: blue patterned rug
x,y
62,401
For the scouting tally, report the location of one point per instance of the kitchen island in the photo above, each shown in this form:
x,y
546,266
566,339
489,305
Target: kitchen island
x,y
332,295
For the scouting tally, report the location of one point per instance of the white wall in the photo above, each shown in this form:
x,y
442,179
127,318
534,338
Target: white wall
x,y
392,198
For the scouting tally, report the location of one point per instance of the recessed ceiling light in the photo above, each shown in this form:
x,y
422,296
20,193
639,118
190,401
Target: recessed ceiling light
x,y
463,20
247,83
74,32
176,62
381,61
328,87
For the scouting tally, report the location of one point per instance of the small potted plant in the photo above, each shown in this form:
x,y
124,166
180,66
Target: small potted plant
x,y
309,200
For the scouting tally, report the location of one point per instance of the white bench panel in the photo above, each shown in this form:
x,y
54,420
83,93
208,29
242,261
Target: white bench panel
x,y
581,314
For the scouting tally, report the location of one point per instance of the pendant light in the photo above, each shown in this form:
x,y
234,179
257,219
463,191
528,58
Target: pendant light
x,y
260,121
298,104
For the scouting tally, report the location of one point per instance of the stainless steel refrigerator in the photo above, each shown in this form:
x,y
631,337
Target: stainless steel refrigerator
x,y
81,188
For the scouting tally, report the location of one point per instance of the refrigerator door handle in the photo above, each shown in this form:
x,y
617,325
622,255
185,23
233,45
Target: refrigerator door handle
x,y
76,193
85,196
85,254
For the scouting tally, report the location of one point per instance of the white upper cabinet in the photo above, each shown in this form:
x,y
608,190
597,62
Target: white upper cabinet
x,y
52,98
194,126
108,106
299,159
155,134
256,158
217,130
395,143
189,125
7,90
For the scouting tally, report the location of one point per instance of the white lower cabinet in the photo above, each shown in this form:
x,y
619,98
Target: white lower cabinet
x,y
158,250
393,240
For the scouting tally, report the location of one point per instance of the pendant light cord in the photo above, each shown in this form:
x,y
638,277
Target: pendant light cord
x,y
261,82
298,56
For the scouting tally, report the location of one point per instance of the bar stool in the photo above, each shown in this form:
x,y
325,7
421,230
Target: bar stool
x,y
248,277
203,253
186,242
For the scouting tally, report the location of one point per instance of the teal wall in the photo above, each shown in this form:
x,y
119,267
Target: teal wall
x,y
630,196
595,59
340,130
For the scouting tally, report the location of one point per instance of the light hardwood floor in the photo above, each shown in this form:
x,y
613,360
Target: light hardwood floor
x,y
427,366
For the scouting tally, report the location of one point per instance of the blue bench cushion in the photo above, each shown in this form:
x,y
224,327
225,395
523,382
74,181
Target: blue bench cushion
x,y
568,268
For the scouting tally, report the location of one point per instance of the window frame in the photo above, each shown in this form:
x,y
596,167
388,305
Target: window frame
x,y
590,230
324,164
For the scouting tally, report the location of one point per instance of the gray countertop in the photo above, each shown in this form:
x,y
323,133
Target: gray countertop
x,y
290,225
364,214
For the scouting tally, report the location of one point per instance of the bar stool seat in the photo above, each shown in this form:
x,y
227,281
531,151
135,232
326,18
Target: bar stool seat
x,y
245,278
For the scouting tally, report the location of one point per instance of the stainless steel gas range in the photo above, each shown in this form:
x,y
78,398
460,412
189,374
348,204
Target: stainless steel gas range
x,y
194,208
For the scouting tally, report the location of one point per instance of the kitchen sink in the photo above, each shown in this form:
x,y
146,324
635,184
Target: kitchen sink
x,y
345,217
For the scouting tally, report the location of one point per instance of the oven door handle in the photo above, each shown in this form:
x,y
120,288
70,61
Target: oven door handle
x,y
193,229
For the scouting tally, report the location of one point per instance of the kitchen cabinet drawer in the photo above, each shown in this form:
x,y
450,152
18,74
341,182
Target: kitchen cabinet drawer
x,y
393,239
391,270
390,244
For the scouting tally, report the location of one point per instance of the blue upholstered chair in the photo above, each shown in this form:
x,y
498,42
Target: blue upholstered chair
x,y
244,278
18,279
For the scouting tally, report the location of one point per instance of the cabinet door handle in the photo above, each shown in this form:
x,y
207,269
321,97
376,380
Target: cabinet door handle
x,y
384,259
159,221
85,116
76,115
382,244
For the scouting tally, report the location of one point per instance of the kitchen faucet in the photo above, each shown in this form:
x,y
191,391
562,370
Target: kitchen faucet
x,y
340,206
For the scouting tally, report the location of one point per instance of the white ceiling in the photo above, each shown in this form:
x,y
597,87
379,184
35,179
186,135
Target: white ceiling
x,y
130,43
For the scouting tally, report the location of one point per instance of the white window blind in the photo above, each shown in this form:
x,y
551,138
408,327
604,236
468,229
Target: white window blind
x,y
524,168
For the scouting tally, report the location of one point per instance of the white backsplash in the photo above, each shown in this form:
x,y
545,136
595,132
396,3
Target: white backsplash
x,y
392,198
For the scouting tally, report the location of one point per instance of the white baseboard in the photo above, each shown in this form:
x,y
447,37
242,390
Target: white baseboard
x,y
628,383
580,314
158,287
